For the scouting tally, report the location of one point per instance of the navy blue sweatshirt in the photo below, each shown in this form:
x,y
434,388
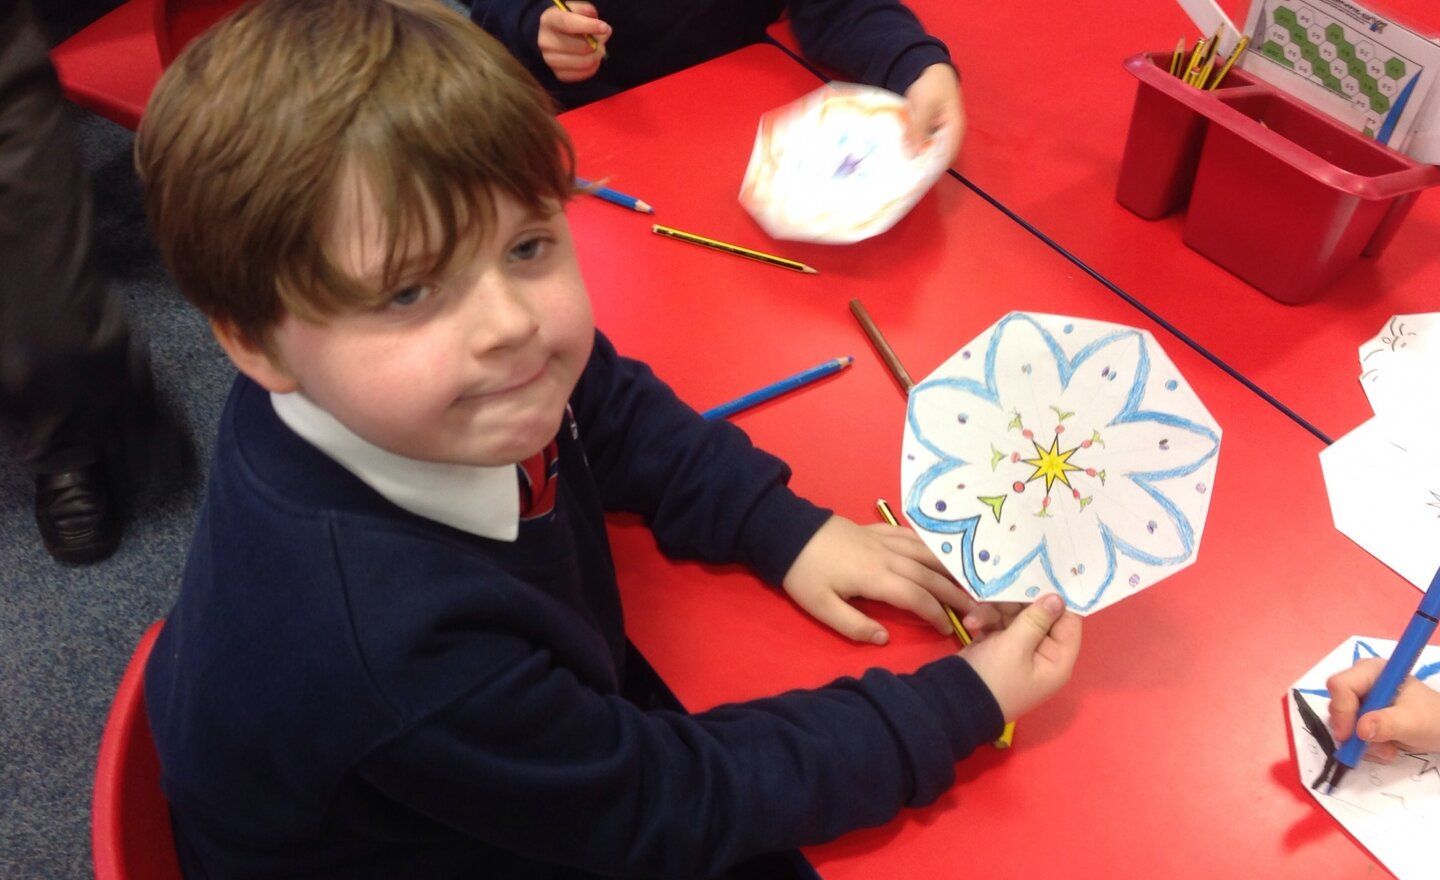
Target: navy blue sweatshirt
x,y
346,689
876,42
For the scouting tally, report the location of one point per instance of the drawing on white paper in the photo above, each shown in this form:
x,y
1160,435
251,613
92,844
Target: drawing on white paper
x,y
1401,363
1383,477
1390,808
1059,454
834,167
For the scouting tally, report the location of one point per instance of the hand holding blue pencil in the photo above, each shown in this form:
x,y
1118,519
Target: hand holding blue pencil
x,y
1397,668
776,389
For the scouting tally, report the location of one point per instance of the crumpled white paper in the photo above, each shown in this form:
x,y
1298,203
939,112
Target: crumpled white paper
x,y
833,167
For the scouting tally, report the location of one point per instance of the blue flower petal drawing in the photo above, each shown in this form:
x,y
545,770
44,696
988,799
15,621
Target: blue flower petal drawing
x,y
1058,454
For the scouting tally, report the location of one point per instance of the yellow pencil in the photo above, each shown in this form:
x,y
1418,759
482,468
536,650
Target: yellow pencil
x,y
1007,737
1230,62
594,43
1214,46
1207,60
735,249
1194,62
1203,74
1178,57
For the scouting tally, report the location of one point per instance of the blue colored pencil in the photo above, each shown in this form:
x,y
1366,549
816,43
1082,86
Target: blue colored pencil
x,y
1382,694
778,388
614,196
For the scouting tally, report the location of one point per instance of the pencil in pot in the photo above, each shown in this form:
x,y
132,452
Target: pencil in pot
x,y
775,389
1007,736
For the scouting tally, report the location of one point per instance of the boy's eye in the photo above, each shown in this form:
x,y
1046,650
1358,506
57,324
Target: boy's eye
x,y
409,296
530,249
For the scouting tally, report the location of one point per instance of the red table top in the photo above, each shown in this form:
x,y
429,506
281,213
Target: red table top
x,y
1167,755
1049,105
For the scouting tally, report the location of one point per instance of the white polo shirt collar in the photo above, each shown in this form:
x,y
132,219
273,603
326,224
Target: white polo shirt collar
x,y
483,501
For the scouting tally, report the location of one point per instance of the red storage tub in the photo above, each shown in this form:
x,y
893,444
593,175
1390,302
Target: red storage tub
x,y
1279,193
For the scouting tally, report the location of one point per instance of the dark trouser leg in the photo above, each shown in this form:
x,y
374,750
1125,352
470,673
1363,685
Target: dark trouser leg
x,y
70,371
75,384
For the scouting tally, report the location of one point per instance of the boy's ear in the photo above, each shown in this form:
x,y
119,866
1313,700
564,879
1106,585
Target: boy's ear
x,y
251,359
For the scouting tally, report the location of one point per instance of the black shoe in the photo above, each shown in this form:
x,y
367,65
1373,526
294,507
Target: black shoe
x,y
77,518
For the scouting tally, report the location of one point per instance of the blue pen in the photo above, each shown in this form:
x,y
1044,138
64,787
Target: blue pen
x,y
779,388
1401,661
615,197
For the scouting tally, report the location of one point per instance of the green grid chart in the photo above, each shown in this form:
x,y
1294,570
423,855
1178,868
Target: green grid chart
x,y
1353,64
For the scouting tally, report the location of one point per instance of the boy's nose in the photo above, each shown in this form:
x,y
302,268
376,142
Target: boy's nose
x,y
502,317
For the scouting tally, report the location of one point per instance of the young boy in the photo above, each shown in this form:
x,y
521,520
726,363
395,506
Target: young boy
x,y
392,656
584,53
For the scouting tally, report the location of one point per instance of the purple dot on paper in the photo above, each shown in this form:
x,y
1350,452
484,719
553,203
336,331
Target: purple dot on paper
x,y
1134,580
984,555
1200,487
964,355
940,506
1165,444
962,418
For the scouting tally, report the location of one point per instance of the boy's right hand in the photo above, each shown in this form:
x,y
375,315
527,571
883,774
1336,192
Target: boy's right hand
x,y
1412,723
1028,661
563,44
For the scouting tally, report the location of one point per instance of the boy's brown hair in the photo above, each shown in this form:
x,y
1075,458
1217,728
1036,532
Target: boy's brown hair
x,y
242,147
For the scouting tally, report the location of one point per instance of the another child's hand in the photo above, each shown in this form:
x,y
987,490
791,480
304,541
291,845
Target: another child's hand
x,y
563,45
1412,723
1028,661
934,105
887,563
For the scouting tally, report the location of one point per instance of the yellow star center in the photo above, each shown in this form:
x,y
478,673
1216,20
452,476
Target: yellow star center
x,y
1052,464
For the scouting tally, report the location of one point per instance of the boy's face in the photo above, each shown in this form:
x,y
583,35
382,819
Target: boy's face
x,y
472,367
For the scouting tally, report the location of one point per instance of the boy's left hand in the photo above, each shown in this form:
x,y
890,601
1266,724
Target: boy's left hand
x,y
887,563
934,104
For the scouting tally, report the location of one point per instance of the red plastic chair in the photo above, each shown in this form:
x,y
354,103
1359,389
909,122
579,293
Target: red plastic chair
x,y
111,66
130,817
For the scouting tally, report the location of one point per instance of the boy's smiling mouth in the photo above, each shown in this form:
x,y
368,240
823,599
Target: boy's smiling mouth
x,y
508,387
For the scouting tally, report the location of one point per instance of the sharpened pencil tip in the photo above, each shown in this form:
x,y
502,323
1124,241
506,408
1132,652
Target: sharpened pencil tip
x,y
643,208
809,271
